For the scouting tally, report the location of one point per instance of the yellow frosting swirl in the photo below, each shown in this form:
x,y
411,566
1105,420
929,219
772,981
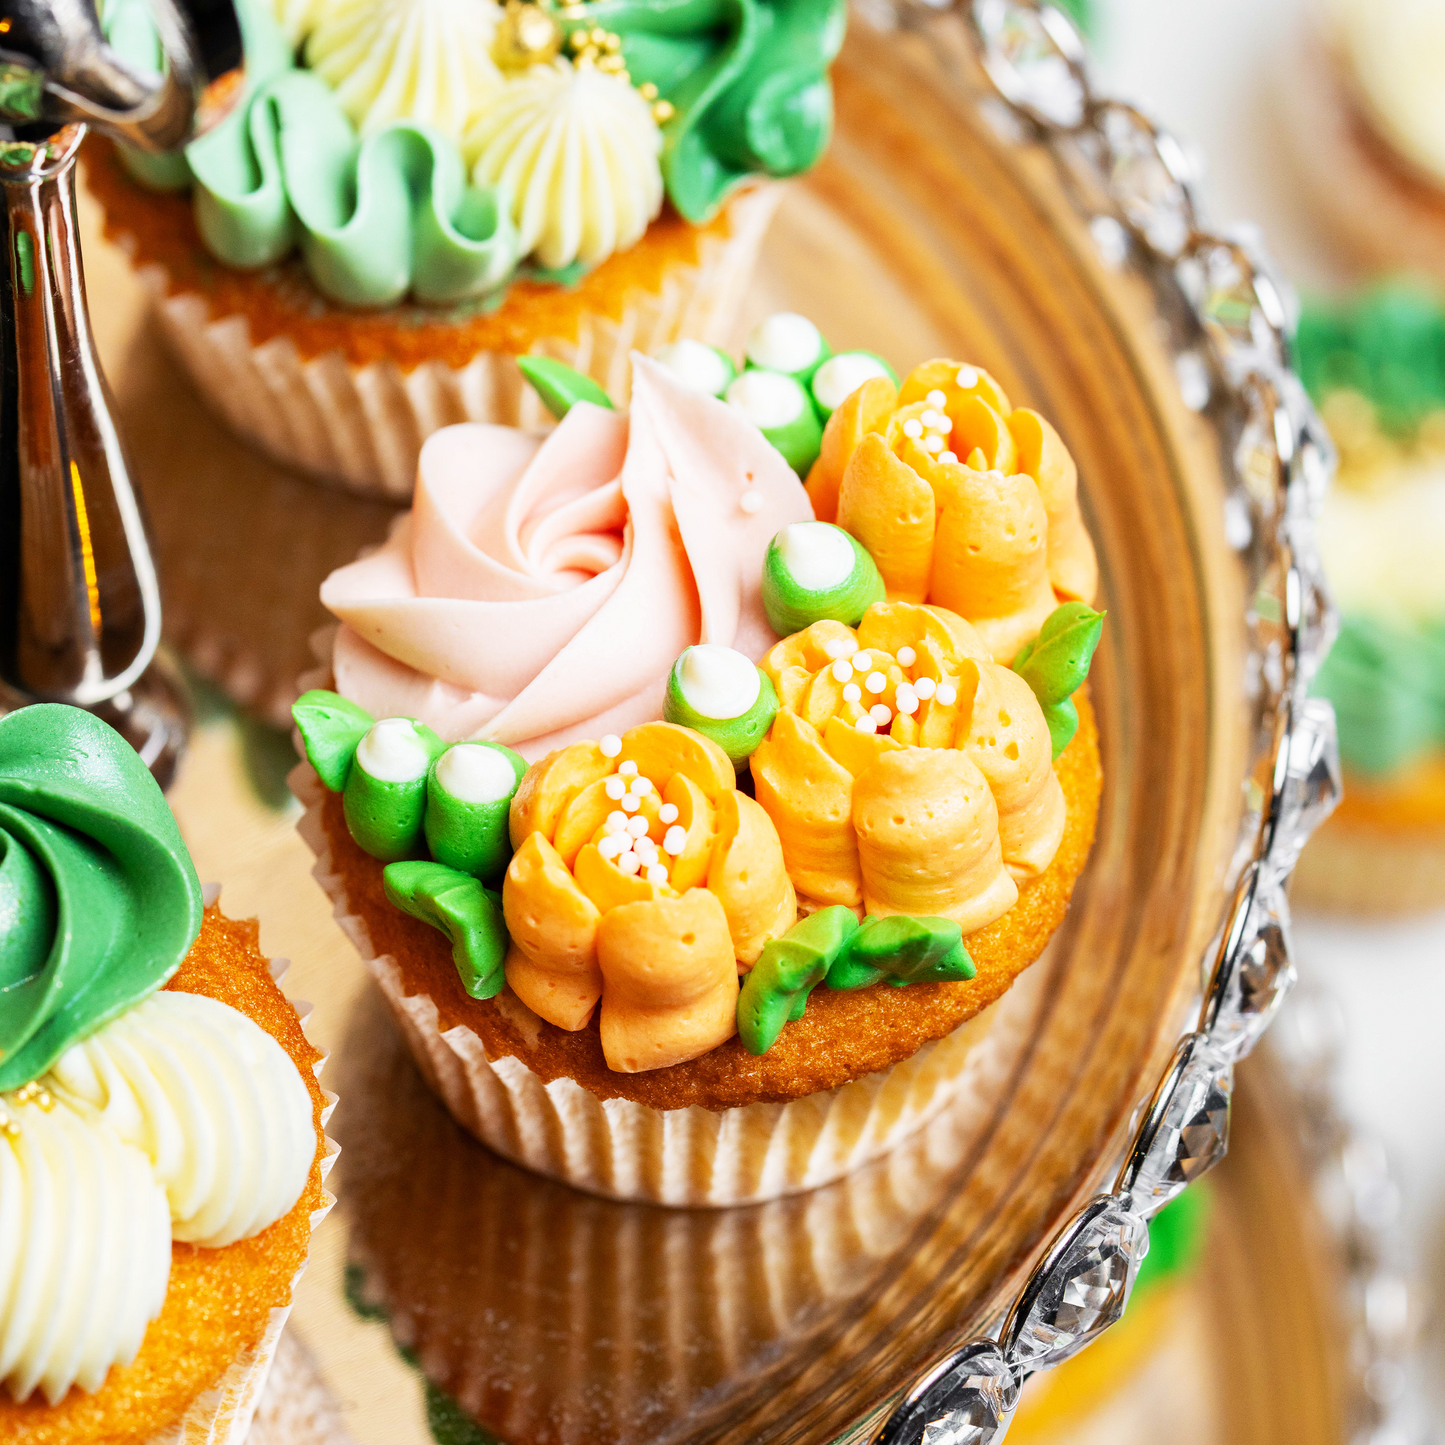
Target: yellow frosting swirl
x,y
574,154
297,18
85,1250
419,60
214,1102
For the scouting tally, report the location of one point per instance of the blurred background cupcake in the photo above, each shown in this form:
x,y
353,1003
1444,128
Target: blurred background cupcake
x,y
1377,368
408,194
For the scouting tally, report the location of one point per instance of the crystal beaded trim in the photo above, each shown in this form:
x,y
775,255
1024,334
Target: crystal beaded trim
x,y
1237,357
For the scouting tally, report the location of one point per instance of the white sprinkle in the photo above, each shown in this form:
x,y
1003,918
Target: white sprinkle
x,y
865,724
667,813
636,827
627,769
945,425
967,377
931,419
645,849
913,428
657,873
631,804
936,398
907,701
875,682
842,670
611,745
612,846
616,787
615,821
924,686
751,501
629,863
852,692
861,662
947,694
906,656
948,456
839,646
641,786
880,714
674,840
933,444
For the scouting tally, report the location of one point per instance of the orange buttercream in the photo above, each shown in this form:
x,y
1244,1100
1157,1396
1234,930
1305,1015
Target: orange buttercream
x,y
218,1301
657,942
280,300
962,499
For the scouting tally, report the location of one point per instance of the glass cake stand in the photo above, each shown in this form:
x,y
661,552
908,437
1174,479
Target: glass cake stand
x,y
932,228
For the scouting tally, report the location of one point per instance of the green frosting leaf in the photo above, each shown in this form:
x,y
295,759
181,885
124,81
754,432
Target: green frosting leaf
x,y
788,970
560,386
1387,683
375,218
330,726
1056,663
99,901
748,80
903,950
459,906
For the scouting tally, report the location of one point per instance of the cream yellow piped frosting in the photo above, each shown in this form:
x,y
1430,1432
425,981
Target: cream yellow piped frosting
x,y
575,155
85,1250
419,60
214,1102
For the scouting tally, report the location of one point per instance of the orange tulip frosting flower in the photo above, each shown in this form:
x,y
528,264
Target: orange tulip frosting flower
x,y
962,500
906,771
641,878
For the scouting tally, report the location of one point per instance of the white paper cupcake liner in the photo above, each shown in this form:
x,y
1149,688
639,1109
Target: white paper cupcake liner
x,y
626,1150
362,427
222,1415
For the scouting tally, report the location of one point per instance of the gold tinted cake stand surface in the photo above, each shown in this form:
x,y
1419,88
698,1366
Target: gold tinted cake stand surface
x,y
554,1318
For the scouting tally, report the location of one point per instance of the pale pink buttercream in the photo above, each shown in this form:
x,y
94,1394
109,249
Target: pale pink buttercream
x,y
539,591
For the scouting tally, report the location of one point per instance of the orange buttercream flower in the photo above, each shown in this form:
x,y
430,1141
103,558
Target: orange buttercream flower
x,y
962,500
906,772
641,878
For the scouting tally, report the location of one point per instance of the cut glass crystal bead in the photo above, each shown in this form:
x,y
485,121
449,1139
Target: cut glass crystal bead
x,y
1311,612
1149,175
1034,58
966,1400
1255,972
1242,305
1191,1134
1081,1288
1311,786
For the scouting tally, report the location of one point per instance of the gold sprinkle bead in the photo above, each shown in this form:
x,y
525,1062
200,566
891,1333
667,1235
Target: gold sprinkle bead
x,y
578,40
527,35
662,111
647,90
598,35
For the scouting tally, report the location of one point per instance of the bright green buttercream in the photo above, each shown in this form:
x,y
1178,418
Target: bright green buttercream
x,y
99,901
393,214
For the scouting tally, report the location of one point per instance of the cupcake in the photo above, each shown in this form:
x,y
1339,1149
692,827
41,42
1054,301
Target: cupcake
x,y
161,1147
1368,124
408,194
691,836
1377,366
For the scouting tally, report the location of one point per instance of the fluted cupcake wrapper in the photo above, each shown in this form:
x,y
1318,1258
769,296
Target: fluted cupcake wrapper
x,y
222,1415
361,427
625,1150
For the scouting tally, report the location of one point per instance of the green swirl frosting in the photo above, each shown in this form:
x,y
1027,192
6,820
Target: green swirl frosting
x,y
99,901
395,213
1387,683
747,78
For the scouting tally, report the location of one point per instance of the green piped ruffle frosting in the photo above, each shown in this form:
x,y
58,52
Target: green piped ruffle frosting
x,y
374,219
395,214
748,80
99,901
